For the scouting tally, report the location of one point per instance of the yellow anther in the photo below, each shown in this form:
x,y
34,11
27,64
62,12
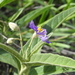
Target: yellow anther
x,y
40,29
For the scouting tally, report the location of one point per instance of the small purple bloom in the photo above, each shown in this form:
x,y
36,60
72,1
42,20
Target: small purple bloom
x,y
32,26
40,32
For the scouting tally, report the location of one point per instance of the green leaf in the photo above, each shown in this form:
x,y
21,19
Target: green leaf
x,y
9,59
32,45
16,15
72,16
62,45
58,19
63,33
68,4
50,1
51,59
30,16
41,2
4,2
64,5
12,51
48,70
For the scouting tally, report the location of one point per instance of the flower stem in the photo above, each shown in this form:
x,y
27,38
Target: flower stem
x,y
28,49
21,43
24,70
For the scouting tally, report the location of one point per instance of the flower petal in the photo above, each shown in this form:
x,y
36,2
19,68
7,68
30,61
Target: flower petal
x,y
44,38
44,32
32,26
47,41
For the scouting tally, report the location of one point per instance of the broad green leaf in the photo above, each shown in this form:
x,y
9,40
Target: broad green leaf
x,y
12,51
51,59
9,59
59,18
48,70
4,2
30,16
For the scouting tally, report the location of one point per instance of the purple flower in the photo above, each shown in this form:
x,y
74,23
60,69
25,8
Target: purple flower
x,y
40,32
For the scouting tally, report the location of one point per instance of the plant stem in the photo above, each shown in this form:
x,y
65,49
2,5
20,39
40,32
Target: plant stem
x,y
28,49
24,70
21,43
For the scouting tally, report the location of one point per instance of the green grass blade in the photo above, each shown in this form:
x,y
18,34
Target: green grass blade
x,y
4,2
40,2
17,14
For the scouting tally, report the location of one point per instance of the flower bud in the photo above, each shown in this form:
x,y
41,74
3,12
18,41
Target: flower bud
x,y
34,35
10,40
13,26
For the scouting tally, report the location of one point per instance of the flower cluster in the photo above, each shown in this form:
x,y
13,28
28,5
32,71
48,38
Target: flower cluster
x,y
13,27
42,33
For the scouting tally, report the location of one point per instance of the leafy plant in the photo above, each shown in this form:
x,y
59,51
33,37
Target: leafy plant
x,y
28,60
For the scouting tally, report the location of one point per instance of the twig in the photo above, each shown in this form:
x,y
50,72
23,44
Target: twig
x,y
4,36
